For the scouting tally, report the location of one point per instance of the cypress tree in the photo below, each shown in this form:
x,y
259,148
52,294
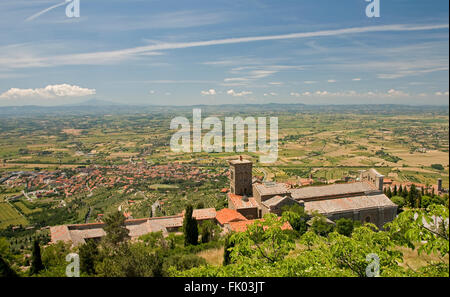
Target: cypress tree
x,y
36,260
389,193
412,196
88,255
229,244
395,190
190,227
405,192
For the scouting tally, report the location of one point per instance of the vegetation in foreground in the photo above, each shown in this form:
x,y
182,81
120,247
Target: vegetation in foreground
x,y
346,250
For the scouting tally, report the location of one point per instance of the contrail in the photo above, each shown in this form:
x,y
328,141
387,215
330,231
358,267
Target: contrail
x,y
336,32
100,57
44,11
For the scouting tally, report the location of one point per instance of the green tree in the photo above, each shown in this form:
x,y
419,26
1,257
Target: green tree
x,y
228,248
36,260
5,268
351,253
297,217
344,226
412,196
400,201
389,192
190,228
320,226
54,259
116,231
426,230
131,260
437,167
263,241
88,256
405,192
209,231
6,257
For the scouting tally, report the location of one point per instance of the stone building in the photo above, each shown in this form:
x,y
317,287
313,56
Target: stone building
x,y
79,234
362,200
241,177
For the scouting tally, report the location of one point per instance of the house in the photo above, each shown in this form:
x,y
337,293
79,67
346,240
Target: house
x,y
227,215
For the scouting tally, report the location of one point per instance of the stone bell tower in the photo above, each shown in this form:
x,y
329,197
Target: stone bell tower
x,y
241,177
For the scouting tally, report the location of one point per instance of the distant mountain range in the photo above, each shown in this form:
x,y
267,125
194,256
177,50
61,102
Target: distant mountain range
x,y
96,106
95,102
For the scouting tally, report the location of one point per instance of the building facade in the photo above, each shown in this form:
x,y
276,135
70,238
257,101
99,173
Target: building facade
x,y
360,201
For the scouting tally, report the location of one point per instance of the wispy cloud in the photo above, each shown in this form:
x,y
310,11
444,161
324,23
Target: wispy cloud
x,y
44,11
102,57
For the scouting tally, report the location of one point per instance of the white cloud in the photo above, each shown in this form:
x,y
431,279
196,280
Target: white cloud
x,y
331,81
321,93
309,82
49,92
240,94
441,93
152,92
356,79
209,92
271,94
393,92
351,93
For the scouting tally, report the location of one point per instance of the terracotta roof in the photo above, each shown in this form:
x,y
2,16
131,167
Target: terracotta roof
x,y
227,215
239,203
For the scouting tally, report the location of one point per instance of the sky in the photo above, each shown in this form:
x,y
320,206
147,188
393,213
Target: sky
x,y
224,52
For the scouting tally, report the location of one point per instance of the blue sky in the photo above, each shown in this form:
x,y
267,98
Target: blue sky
x,y
219,52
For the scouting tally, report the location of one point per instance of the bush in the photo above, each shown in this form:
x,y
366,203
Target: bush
x,y
400,201
344,226
321,227
427,201
437,166
183,262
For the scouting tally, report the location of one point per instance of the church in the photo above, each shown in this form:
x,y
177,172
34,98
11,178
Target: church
x,y
363,200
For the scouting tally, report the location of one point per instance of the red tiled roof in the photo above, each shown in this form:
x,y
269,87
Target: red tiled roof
x,y
237,201
227,215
